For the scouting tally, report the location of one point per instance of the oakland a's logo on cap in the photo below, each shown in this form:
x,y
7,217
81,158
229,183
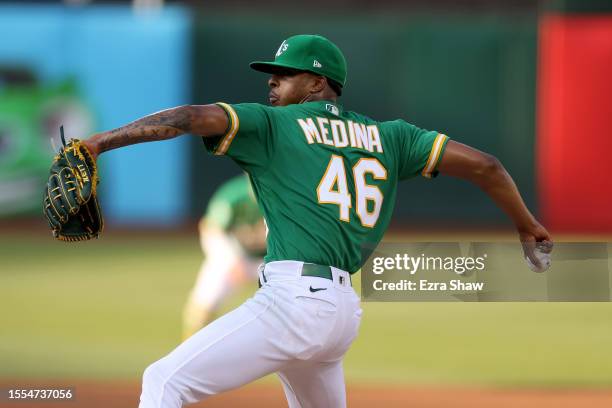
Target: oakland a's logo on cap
x,y
283,47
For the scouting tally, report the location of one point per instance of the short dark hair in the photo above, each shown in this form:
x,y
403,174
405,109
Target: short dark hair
x,y
335,86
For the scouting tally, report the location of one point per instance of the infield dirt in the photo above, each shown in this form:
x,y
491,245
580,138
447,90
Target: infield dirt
x,y
93,394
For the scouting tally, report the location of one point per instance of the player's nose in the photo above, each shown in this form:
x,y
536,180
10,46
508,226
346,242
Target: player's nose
x,y
273,81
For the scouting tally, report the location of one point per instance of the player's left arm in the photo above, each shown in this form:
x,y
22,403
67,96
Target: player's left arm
x,y
199,120
487,172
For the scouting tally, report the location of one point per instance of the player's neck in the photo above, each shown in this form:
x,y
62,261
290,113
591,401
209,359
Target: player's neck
x,y
324,95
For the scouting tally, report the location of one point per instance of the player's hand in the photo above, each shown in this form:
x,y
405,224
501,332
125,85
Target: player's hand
x,y
537,246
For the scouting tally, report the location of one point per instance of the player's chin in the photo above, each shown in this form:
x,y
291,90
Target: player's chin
x,y
274,101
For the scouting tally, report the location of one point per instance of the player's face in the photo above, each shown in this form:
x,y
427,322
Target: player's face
x,y
289,87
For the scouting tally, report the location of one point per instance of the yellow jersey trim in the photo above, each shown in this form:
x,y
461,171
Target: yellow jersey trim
x,y
434,155
233,127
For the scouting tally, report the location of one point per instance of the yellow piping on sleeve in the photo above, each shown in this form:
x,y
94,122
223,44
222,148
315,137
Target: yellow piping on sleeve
x,y
234,125
434,155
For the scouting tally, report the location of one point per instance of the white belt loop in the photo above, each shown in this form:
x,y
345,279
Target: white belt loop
x,y
281,270
260,274
342,278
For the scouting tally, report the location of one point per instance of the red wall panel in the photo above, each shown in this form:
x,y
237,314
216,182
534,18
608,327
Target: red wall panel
x,y
574,137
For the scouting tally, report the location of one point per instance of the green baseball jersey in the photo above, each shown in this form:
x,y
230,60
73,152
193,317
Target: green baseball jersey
x,y
324,178
233,205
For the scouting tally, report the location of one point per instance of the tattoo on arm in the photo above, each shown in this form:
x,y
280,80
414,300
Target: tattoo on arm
x,y
163,125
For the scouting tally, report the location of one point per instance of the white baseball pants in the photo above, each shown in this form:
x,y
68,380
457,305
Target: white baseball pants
x,y
286,328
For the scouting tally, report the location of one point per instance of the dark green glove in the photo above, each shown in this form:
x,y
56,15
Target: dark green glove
x,y
70,200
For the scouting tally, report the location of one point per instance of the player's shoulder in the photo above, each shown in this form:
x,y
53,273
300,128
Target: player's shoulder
x,y
387,128
359,118
255,109
399,130
387,124
247,107
397,125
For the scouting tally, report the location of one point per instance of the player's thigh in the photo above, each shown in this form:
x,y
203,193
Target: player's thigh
x,y
310,385
231,351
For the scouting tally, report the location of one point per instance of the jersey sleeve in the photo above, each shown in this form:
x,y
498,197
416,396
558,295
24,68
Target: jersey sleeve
x,y
248,138
419,150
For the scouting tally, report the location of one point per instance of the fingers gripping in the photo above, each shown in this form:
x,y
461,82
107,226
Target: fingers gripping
x,y
537,254
528,250
545,246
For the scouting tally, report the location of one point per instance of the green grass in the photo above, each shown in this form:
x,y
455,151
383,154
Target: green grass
x,y
106,309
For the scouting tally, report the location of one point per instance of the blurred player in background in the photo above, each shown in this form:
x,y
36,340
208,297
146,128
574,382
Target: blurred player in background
x,y
233,239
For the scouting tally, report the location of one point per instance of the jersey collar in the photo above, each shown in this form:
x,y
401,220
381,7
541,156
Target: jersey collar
x,y
331,107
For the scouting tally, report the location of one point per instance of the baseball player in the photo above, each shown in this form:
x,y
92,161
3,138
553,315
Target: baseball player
x,y
233,240
325,179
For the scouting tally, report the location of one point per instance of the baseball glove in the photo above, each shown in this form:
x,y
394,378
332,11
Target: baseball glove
x,y
70,201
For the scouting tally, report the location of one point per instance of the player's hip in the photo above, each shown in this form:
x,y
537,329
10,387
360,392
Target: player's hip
x,y
319,309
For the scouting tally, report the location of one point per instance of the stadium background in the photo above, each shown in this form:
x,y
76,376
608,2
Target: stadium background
x,y
524,80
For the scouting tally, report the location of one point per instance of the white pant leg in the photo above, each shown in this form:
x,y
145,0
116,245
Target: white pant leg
x,y
233,350
317,381
319,385
286,327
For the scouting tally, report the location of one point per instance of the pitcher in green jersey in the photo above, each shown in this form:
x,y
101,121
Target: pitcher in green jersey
x,y
325,179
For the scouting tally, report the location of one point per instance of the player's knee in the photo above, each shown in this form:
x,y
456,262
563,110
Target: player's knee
x,y
158,382
163,383
153,377
151,374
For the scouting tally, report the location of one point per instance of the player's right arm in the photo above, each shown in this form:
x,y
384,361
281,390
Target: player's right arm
x,y
200,120
430,153
489,174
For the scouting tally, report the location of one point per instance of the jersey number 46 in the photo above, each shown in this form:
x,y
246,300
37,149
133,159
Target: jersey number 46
x,y
333,189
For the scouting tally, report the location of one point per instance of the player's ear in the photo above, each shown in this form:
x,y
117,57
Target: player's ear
x,y
318,84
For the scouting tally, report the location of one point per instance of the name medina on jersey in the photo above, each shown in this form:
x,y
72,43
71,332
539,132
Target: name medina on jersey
x,y
339,133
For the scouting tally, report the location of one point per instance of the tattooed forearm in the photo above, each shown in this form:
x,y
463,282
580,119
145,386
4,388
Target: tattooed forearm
x,y
158,126
200,120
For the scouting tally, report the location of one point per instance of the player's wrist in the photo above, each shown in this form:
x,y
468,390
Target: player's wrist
x,y
93,147
526,224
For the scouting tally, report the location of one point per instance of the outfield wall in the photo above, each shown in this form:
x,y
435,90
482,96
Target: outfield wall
x,y
470,74
124,65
